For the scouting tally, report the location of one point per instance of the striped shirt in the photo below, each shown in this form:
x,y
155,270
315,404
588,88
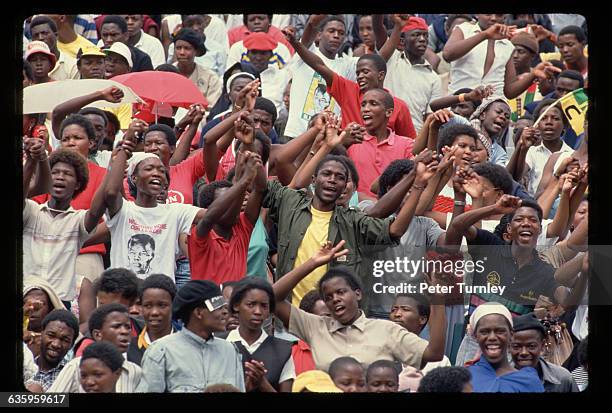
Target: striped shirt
x,y
51,245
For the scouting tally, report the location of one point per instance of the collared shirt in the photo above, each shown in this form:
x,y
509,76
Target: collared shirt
x,y
348,95
85,25
290,209
536,158
65,68
468,70
69,379
186,363
372,157
367,340
555,378
207,81
417,84
288,372
51,245
523,285
273,84
151,46
46,378
498,155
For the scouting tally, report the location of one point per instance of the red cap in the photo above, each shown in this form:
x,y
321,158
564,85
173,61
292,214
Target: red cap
x,y
415,23
260,41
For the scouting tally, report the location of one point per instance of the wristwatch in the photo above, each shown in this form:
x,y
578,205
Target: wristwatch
x,y
459,203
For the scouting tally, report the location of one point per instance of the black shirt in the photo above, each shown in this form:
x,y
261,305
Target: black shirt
x,y
140,60
523,285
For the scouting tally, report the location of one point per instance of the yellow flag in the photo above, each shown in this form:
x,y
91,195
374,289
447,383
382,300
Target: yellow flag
x,y
575,106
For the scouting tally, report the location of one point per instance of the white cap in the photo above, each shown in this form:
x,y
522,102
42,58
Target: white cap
x,y
122,50
487,309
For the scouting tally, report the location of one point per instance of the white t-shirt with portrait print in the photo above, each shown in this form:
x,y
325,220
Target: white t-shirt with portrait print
x,y
308,95
144,239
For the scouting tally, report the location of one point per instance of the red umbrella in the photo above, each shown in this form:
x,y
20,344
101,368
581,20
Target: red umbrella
x,y
163,88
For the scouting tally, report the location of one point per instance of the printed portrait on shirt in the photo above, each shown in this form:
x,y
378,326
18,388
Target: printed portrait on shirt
x,y
141,251
317,99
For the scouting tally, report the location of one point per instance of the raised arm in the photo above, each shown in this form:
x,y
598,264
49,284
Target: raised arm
x,y
287,282
380,31
112,185
457,46
219,138
35,154
390,202
389,45
110,94
303,176
424,172
289,152
311,59
437,323
191,121
478,94
229,204
561,218
516,166
35,149
515,85
459,227
310,29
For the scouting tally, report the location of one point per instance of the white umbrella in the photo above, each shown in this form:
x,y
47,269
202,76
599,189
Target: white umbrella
x,y
44,97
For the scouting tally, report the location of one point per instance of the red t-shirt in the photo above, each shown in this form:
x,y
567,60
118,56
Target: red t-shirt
x,y
347,94
302,357
216,259
182,179
83,200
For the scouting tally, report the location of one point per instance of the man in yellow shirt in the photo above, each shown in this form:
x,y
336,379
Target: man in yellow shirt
x,y
67,40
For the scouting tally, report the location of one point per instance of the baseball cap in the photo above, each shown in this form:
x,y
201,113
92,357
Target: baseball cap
x,y
90,51
122,50
37,46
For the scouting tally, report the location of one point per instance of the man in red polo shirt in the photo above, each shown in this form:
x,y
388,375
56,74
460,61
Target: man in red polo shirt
x,y
371,70
381,145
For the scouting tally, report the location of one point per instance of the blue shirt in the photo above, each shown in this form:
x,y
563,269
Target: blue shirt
x,y
184,362
484,379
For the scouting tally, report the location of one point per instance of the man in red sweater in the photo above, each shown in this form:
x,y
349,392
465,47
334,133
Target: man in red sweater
x,y
371,70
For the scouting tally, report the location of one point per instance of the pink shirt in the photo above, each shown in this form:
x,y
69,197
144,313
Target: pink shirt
x,y
372,157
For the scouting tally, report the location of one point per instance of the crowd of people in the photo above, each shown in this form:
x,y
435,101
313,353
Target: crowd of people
x,y
366,203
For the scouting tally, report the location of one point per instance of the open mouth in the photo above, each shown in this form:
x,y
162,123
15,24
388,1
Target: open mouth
x,y
156,182
124,343
493,350
329,191
339,309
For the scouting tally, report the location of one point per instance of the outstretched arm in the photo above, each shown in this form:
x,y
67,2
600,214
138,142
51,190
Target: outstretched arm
x,y
229,204
390,45
515,85
424,172
192,119
457,46
311,59
35,155
310,29
110,94
459,226
287,282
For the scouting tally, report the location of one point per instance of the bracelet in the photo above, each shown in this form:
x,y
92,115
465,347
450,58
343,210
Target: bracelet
x,y
461,97
312,153
237,107
460,203
418,187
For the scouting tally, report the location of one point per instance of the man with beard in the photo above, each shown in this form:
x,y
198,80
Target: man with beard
x,y
60,330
